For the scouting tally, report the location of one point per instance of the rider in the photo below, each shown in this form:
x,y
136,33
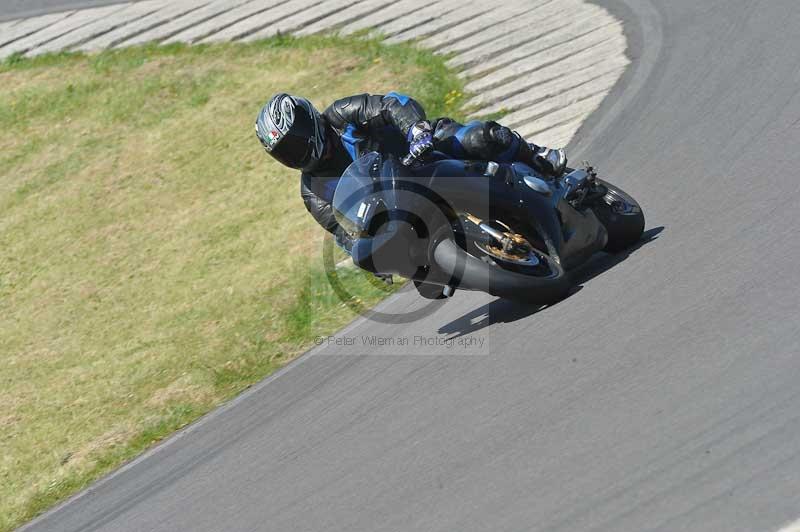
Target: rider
x,y
323,145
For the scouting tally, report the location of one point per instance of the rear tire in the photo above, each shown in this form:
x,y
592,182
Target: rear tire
x,y
621,215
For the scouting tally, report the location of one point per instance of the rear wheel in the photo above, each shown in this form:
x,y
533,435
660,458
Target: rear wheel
x,y
621,215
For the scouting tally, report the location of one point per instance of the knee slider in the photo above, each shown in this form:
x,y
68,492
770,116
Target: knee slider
x,y
498,135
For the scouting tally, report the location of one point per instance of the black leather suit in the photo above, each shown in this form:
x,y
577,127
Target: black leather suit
x,y
363,123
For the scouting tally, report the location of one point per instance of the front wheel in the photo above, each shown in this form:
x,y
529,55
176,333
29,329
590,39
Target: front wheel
x,y
492,277
621,215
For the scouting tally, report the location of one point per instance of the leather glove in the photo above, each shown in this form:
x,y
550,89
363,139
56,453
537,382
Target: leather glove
x,y
420,141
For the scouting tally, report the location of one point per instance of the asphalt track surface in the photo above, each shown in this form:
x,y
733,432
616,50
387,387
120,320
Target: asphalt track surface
x,y
11,9
661,396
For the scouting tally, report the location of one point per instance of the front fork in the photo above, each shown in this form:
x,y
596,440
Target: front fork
x,y
506,239
579,184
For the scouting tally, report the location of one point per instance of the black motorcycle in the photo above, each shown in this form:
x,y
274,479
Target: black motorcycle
x,y
503,229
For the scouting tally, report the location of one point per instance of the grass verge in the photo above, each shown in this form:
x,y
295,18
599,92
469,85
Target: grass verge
x,y
153,261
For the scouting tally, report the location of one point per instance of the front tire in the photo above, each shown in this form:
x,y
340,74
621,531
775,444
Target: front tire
x,y
621,215
476,274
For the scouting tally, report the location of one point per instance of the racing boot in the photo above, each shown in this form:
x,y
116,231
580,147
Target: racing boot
x,y
343,240
385,278
552,160
548,161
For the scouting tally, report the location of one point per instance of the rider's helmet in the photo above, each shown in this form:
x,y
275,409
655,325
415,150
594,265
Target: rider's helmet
x,y
292,131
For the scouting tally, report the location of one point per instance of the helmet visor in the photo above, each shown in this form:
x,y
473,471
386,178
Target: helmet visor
x,y
293,151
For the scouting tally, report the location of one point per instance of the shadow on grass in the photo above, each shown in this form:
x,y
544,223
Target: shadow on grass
x,y
505,311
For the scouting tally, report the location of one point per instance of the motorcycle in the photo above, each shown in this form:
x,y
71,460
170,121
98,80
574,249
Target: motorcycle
x,y
503,229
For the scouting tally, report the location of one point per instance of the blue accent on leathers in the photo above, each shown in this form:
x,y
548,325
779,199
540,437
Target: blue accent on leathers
x,y
350,141
402,98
